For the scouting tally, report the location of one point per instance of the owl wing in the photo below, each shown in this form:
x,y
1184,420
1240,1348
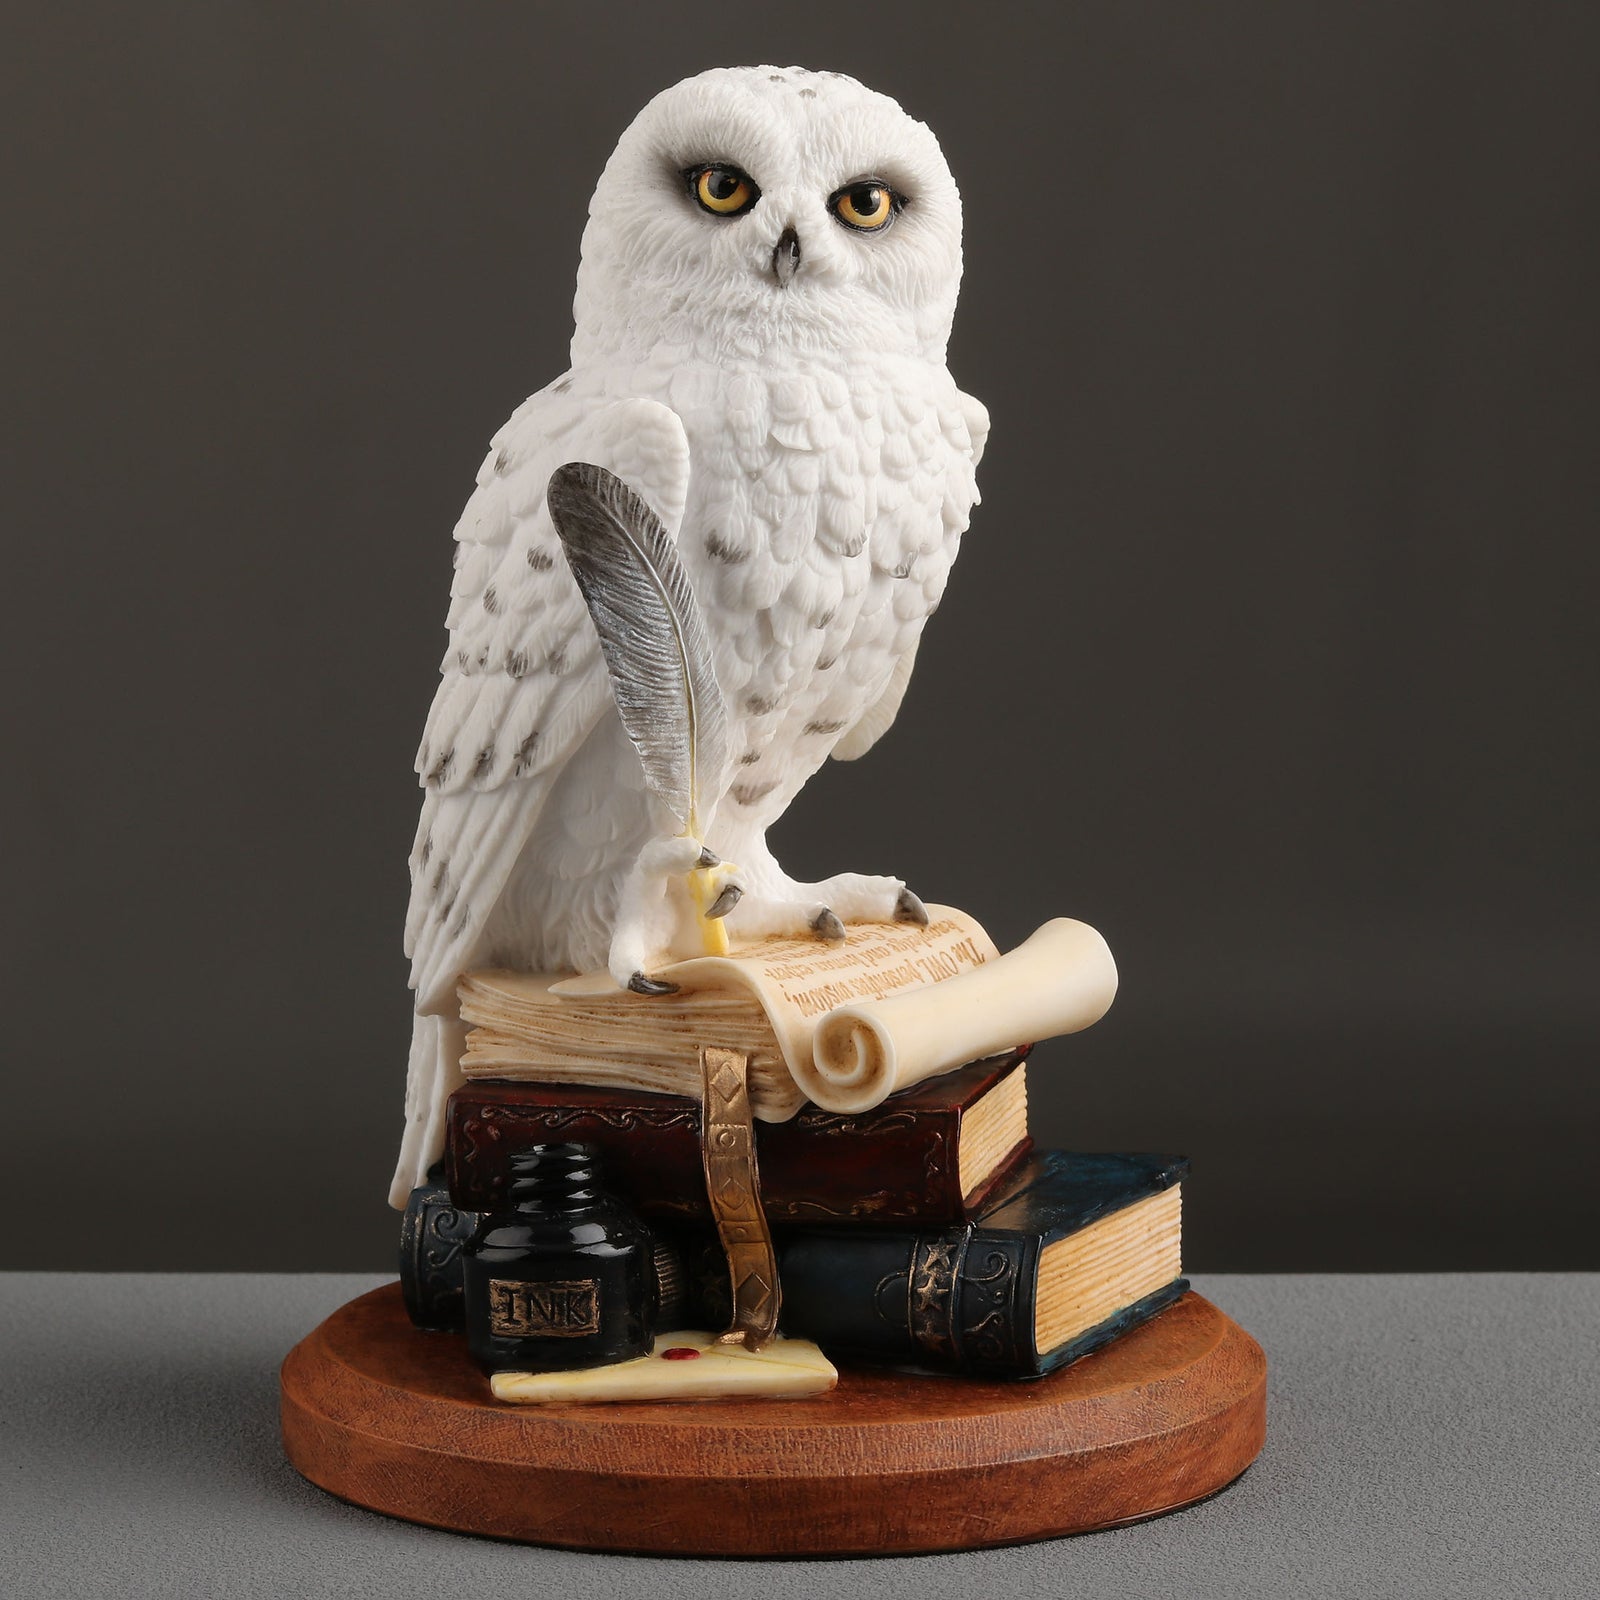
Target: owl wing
x,y
975,418
523,681
874,723
965,427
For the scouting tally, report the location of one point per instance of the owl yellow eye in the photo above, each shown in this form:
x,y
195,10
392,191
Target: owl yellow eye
x,y
722,190
866,205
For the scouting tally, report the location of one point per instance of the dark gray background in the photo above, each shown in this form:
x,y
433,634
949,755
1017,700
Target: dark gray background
x,y
1271,650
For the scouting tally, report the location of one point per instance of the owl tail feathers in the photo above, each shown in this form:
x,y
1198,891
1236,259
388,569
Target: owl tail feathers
x,y
432,1075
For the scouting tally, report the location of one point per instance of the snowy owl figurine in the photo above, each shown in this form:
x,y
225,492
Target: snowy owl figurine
x,y
767,284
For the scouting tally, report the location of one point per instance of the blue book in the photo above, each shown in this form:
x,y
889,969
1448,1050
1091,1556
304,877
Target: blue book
x,y
1071,1252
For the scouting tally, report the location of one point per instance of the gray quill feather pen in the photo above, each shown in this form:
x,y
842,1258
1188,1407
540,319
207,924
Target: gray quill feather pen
x,y
657,650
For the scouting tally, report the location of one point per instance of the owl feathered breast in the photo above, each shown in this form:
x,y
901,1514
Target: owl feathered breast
x,y
817,512
826,502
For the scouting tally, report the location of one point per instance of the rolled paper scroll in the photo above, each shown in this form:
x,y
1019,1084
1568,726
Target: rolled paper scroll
x,y
1059,980
844,1024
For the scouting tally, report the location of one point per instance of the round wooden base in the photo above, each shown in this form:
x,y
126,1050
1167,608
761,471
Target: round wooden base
x,y
401,1422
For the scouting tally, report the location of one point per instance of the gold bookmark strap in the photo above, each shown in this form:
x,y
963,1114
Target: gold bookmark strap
x,y
728,1150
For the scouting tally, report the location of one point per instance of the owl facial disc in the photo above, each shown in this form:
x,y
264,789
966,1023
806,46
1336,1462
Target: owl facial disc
x,y
763,214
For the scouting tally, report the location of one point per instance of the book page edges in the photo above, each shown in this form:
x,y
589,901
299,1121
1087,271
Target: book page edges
x,y
1091,1275
991,1130
931,1000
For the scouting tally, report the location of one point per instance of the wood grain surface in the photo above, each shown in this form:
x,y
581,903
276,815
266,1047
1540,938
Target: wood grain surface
x,y
399,1421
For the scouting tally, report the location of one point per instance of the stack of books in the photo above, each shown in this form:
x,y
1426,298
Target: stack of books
x,y
924,1230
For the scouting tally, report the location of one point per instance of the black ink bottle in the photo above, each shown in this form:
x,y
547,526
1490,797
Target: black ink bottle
x,y
565,1276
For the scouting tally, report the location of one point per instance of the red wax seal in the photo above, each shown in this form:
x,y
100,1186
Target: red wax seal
x,y
680,1352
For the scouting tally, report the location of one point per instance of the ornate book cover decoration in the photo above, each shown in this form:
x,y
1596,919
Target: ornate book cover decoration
x,y
728,1151
1073,1249
927,1155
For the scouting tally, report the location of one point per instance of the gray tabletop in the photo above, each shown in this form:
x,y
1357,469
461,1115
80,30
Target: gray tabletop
x,y
1426,1436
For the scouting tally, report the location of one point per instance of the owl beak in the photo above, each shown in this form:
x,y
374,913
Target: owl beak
x,y
786,256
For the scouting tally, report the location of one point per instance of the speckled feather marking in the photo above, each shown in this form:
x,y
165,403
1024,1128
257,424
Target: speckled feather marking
x,y
843,555
832,478
841,499
523,681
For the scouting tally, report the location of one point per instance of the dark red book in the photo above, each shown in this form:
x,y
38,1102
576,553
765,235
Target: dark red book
x,y
926,1155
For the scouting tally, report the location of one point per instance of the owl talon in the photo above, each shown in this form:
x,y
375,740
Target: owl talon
x,y
641,983
909,908
827,926
731,895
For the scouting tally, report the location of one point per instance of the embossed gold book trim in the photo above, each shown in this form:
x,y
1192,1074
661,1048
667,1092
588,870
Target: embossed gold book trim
x,y
728,1150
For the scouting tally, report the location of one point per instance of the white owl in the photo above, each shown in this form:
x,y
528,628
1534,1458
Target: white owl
x,y
768,280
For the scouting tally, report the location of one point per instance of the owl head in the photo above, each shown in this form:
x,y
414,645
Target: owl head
x,y
755,211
